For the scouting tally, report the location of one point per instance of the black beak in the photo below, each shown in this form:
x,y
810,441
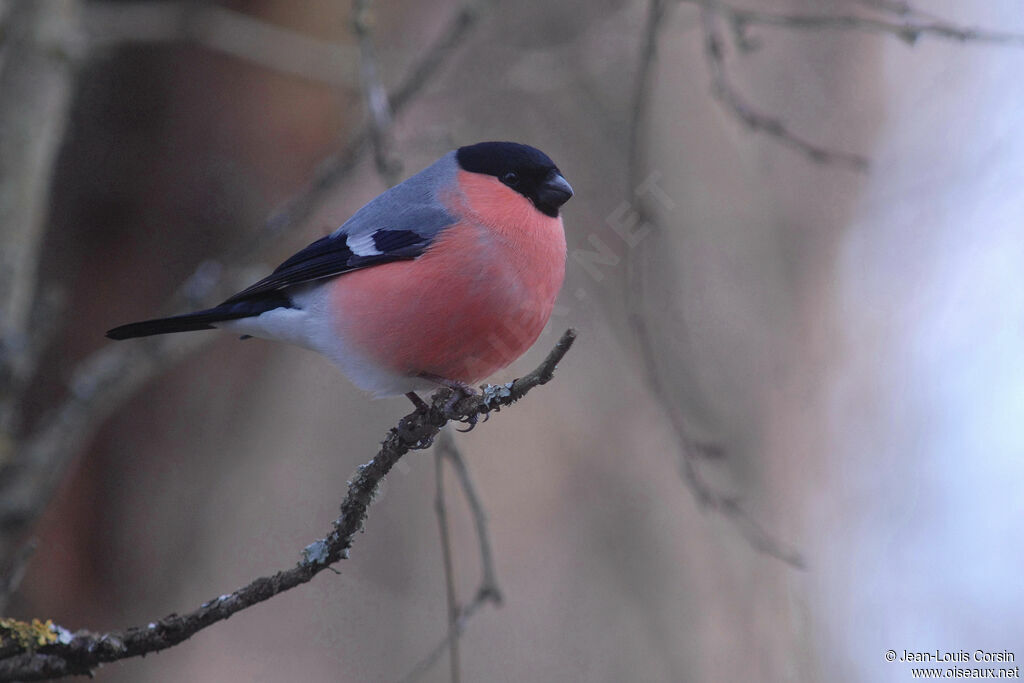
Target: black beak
x,y
552,193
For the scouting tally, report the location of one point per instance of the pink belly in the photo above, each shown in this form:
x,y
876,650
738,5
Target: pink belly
x,y
467,308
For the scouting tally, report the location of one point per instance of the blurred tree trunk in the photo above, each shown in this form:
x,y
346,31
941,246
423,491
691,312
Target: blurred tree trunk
x,y
38,60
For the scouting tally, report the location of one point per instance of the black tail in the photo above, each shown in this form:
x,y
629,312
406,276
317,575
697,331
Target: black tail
x,y
203,320
180,323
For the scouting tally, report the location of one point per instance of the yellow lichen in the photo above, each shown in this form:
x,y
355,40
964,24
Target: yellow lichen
x,y
29,635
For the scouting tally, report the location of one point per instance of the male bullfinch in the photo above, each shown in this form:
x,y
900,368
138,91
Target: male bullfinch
x,y
441,280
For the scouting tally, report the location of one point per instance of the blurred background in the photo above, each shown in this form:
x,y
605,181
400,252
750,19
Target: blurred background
x,y
839,347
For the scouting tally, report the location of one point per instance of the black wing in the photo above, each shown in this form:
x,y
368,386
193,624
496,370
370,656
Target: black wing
x,y
331,255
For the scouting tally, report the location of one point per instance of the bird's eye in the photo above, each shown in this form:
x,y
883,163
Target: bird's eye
x,y
511,178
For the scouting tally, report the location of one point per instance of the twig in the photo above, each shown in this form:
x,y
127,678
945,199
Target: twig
x,y
458,26
40,58
656,10
488,590
728,506
897,7
111,25
388,166
446,554
81,652
690,450
732,100
907,29
105,379
428,662
16,572
908,24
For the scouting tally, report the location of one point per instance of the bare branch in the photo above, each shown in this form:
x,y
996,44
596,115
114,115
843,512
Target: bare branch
x,y
488,590
451,38
428,662
11,579
908,24
38,64
690,450
388,166
449,569
897,7
111,25
909,29
732,100
105,379
656,10
81,652
728,506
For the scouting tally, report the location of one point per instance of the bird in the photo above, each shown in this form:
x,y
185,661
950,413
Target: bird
x,y
439,281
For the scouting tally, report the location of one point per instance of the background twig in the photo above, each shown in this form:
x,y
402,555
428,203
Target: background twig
x,y
907,27
488,590
39,58
13,575
110,25
446,556
689,449
906,23
737,104
375,95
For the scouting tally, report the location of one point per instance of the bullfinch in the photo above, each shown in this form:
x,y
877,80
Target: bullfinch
x,y
439,281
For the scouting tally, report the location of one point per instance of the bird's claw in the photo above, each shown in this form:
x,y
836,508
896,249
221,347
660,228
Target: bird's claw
x,y
460,390
473,420
470,420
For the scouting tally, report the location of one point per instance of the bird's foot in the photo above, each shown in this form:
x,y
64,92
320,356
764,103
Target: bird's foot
x,y
469,421
460,390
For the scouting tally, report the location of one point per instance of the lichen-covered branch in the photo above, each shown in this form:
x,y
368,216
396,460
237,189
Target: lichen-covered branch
x,y
79,653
